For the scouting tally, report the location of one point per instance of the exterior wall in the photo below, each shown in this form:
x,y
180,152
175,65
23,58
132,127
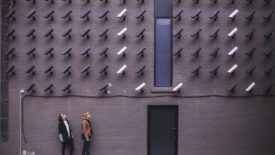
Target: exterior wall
x,y
207,125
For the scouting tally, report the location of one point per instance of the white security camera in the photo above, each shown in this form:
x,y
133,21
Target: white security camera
x,y
233,32
122,32
178,87
122,51
233,14
122,70
122,14
250,87
233,51
140,87
232,69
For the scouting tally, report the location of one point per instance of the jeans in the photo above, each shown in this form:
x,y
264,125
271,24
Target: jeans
x,y
70,145
86,147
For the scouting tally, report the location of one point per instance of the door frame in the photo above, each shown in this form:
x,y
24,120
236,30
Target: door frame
x,y
148,125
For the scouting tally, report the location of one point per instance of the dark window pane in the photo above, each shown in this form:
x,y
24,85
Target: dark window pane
x,y
163,60
163,8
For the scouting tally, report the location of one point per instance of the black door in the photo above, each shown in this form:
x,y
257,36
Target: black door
x,y
162,130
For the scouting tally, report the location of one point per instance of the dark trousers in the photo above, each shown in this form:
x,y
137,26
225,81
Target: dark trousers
x,y
70,145
86,147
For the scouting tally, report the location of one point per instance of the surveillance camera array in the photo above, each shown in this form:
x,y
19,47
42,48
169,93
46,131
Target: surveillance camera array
x,y
199,28
233,34
50,35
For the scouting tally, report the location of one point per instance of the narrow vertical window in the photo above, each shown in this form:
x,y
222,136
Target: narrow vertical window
x,y
163,43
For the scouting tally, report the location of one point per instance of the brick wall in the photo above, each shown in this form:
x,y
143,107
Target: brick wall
x,y
208,125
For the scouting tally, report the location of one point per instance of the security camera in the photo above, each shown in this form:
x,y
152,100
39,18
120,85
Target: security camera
x,y
178,52
122,70
31,88
31,70
214,16
232,69
141,33
105,88
196,71
251,16
67,70
10,52
85,70
177,88
122,51
196,34
67,88
233,51
86,52
49,52
250,71
141,70
86,15
140,88
86,34
232,15
49,70
104,51
215,52
31,52
31,34
250,87
214,35
67,33
268,16
11,70
104,70
141,15
49,33
233,88
196,53
11,14
122,14
104,15
11,34
178,15
68,52
122,32
196,16
178,34
141,52
232,33
250,35
251,52
104,34
49,88
49,15
31,14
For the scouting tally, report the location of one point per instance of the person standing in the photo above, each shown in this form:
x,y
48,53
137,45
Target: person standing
x,y
65,133
86,133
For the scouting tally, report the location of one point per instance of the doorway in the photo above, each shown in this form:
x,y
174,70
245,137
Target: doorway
x,y
162,130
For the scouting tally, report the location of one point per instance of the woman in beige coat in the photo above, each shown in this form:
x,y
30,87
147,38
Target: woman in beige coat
x,y
86,133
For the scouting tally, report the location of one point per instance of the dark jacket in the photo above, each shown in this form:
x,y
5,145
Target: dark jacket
x,y
63,131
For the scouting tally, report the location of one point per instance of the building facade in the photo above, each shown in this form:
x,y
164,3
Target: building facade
x,y
158,76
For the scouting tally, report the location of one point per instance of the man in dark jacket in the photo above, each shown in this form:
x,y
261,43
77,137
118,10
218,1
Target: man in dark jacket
x,y
65,133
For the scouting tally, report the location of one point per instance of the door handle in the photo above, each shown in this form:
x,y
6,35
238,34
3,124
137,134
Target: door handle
x,y
174,130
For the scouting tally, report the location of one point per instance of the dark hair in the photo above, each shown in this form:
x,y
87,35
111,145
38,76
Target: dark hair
x,y
60,117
